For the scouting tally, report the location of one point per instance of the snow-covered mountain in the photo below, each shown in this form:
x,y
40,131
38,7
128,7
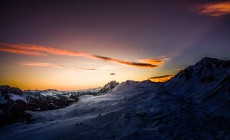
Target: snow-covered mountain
x,y
108,87
14,102
200,75
208,82
12,105
193,105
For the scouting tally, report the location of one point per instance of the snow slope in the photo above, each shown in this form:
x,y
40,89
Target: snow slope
x,y
189,106
208,82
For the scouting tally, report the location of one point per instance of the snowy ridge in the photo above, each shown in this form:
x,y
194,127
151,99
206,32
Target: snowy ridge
x,y
108,87
50,92
200,75
15,97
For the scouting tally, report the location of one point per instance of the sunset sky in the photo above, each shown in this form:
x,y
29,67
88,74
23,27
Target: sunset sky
x,y
67,45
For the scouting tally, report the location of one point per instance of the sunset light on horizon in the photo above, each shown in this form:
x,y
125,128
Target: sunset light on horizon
x,y
70,45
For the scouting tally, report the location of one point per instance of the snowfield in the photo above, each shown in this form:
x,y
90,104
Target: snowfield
x,y
86,117
193,105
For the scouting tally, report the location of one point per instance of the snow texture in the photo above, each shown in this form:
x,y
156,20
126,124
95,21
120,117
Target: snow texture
x,y
193,105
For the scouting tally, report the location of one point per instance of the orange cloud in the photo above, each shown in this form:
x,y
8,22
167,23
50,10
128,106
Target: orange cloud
x,y
40,64
152,61
214,9
162,78
86,68
18,51
43,50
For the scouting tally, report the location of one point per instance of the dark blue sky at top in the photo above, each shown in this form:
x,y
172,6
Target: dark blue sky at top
x,y
159,28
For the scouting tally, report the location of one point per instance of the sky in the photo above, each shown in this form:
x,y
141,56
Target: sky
x,y
73,44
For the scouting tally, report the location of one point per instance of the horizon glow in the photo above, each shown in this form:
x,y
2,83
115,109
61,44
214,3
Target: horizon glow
x,y
79,45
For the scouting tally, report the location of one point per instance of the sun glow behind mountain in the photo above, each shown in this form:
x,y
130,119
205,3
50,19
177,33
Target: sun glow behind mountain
x,y
163,78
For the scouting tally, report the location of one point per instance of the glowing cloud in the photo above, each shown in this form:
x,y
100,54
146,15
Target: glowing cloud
x,y
152,61
87,69
43,50
214,9
162,78
18,51
40,64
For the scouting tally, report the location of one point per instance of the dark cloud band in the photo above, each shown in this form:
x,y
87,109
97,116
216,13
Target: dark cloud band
x,y
162,76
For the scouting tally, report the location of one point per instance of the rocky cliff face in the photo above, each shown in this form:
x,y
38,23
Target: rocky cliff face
x,y
108,87
14,102
12,106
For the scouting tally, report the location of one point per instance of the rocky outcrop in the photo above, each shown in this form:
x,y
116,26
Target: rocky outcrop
x,y
108,87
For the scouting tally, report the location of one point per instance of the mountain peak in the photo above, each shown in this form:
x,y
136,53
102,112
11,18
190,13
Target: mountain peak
x,y
108,87
206,70
206,60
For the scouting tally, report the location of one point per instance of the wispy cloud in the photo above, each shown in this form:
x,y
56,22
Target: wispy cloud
x,y
161,78
214,8
40,64
88,69
26,49
18,51
152,61
43,49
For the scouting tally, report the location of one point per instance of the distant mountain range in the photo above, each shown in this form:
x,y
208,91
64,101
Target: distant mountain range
x,y
14,102
194,104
